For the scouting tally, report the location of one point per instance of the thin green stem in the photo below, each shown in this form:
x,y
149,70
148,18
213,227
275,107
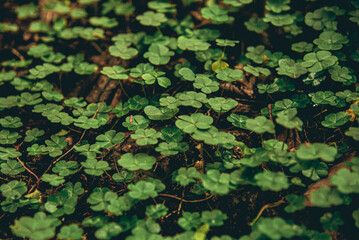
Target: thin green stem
x,y
144,90
123,89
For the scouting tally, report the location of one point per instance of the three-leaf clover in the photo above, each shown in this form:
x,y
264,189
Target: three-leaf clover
x,y
137,161
158,54
260,124
151,18
190,124
316,62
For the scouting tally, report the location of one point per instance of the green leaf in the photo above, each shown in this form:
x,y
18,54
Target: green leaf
x,y
53,179
190,124
346,181
13,189
136,122
288,119
11,167
274,181
145,137
277,6
256,25
221,104
137,161
215,13
295,203
316,62
206,84
189,220
151,18
65,168
334,120
330,40
279,20
216,182
115,72
257,54
71,231
260,124
110,138
7,137
156,211
160,113
192,44
94,167
214,218
326,197
39,227
10,122
229,75
313,151
158,54
353,132
142,190
290,68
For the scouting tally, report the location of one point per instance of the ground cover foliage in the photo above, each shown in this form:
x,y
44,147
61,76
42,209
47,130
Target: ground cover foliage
x,y
228,119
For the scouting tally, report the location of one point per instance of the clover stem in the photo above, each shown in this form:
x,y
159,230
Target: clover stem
x,y
144,90
219,114
262,140
123,89
159,30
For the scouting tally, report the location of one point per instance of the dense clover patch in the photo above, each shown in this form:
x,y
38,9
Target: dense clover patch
x,y
179,119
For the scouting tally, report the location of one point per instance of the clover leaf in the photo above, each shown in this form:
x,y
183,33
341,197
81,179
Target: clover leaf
x,y
346,181
10,122
279,20
7,137
71,231
190,124
189,220
226,42
334,120
53,179
145,137
277,6
171,134
256,25
122,51
260,124
158,54
257,54
316,62
330,40
156,211
136,122
94,167
39,227
160,113
326,197
302,47
342,74
215,13
151,18
65,168
137,161
216,182
101,198
313,151
276,228
115,72
11,167
192,44
288,119
110,138
103,21
238,120
185,176
295,203
214,218
206,84
290,68
221,104
320,19
229,75
274,181
353,132
142,190
13,189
